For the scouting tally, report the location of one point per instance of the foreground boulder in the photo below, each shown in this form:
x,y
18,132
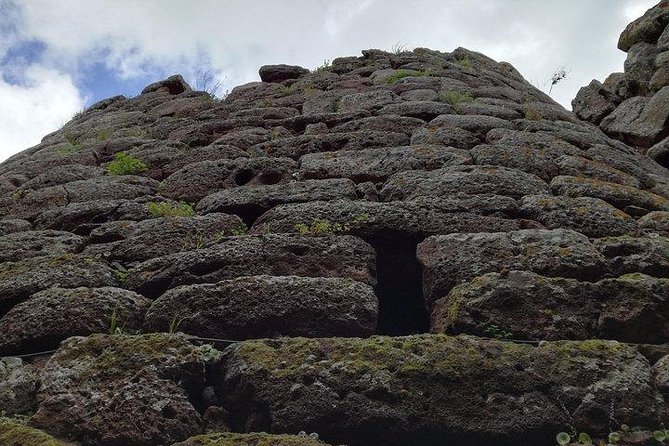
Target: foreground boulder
x,y
434,389
262,439
123,390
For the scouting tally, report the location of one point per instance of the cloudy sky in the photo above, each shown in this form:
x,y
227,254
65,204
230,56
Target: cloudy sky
x,y
57,57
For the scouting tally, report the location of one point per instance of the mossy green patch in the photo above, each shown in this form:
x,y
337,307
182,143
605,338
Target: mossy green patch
x,y
401,74
115,355
167,209
13,269
17,433
455,97
253,439
634,277
421,357
125,164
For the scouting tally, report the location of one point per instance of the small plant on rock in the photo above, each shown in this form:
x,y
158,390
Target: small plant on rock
x,y
661,435
401,74
167,209
325,66
125,164
121,276
465,62
494,331
559,75
173,324
455,97
113,322
241,229
321,226
563,438
400,47
532,114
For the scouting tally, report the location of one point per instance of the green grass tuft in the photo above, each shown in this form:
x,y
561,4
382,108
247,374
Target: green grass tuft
x,y
125,164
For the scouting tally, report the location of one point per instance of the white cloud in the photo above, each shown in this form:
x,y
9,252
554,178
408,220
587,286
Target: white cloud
x,y
42,104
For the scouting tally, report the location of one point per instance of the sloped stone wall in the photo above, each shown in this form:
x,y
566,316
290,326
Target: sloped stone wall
x,y
382,223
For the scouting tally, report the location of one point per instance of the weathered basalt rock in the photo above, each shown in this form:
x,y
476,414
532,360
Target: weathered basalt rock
x,y
123,390
130,241
19,280
377,165
462,179
18,387
590,216
231,439
314,207
450,259
430,389
249,202
267,306
525,305
278,255
18,433
55,314
632,106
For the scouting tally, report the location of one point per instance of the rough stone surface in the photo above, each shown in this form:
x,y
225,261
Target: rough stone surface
x,y
123,390
130,241
593,102
377,165
261,439
625,198
632,106
661,375
647,28
462,179
278,73
53,315
345,202
198,180
18,387
655,223
628,255
23,245
590,216
19,280
277,255
250,202
454,258
422,389
526,305
267,306
413,219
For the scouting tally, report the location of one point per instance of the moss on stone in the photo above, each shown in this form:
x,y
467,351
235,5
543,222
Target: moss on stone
x,y
13,269
16,433
253,439
419,357
634,277
116,354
